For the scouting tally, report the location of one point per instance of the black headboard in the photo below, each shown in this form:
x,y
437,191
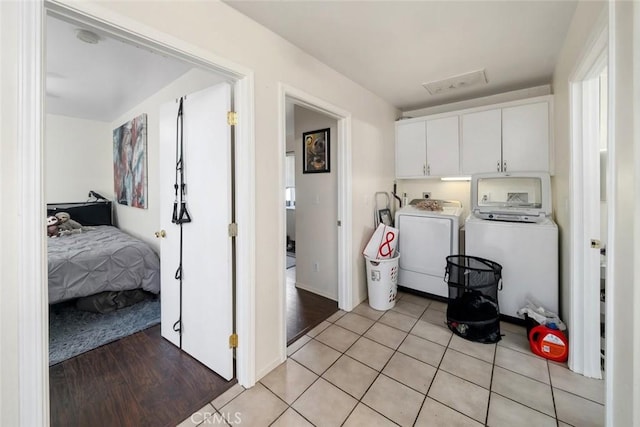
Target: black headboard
x,y
88,213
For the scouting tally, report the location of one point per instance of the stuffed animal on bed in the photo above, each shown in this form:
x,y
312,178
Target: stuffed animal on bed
x,y
52,226
67,225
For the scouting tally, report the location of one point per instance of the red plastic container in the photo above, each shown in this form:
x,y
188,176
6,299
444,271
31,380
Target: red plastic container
x,y
549,343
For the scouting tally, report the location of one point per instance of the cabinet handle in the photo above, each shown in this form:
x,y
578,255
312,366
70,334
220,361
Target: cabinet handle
x,y
498,166
504,167
424,169
428,169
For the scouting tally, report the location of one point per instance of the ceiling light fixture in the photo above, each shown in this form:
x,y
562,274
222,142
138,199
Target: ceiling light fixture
x,y
87,36
461,81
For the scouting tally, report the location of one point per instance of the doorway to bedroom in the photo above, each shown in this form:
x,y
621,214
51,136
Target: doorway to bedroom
x,y
118,346
311,211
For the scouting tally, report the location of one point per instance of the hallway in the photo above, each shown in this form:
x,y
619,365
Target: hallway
x,y
404,367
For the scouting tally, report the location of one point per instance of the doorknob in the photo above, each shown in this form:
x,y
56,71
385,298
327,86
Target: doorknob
x,y
161,234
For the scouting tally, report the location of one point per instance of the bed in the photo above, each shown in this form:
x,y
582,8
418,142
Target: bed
x,y
98,259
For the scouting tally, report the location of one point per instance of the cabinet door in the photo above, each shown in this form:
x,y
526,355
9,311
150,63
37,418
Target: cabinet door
x,y
525,137
481,142
411,149
443,147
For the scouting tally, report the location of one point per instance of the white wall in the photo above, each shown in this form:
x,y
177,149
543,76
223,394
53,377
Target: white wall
x,y
624,290
574,46
623,378
143,223
316,211
10,188
78,158
219,30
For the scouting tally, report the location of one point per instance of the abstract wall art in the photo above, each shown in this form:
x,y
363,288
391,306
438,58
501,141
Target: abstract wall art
x,y
130,162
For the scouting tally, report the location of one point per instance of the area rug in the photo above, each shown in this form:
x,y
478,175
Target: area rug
x,y
73,332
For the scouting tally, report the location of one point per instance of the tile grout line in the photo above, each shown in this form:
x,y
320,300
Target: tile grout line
x,y
380,373
464,379
332,364
493,369
395,351
426,395
438,368
553,398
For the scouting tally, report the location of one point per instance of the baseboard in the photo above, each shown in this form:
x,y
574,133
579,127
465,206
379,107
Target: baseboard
x,y
270,367
317,292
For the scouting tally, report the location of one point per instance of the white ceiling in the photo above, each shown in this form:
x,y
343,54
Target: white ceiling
x,y
393,47
389,47
104,80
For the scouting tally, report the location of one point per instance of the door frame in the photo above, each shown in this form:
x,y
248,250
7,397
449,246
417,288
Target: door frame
x,y
32,288
584,316
345,249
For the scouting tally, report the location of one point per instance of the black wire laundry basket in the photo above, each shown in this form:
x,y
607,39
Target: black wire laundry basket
x,y
473,312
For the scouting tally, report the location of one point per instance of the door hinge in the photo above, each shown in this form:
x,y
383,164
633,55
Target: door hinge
x,y
232,118
595,243
233,341
233,229
339,223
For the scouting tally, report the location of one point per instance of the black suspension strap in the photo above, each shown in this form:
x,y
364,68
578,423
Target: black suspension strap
x,y
180,213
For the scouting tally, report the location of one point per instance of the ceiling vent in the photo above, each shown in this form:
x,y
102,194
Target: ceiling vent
x,y
474,78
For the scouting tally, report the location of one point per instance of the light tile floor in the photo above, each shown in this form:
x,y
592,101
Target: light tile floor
x,y
404,367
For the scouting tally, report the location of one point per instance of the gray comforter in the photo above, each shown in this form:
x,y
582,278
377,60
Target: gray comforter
x,y
102,259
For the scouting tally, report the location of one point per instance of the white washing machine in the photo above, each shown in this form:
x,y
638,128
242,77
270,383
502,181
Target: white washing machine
x,y
511,224
425,239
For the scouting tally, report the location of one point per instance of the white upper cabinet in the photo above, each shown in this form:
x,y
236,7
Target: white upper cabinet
x,y
514,138
525,137
481,142
427,148
411,149
443,152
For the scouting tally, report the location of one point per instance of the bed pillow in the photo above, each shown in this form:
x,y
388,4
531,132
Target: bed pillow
x,y
89,213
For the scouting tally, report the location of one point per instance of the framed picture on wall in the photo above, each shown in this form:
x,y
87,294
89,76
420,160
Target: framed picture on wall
x,y
130,162
316,151
384,216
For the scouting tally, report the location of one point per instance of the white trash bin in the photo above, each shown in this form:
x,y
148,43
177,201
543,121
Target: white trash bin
x,y
382,282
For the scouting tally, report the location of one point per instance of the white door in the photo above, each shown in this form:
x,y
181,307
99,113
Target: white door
x,y
206,256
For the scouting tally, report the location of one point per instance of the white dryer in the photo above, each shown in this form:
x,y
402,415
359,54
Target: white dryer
x,y
425,239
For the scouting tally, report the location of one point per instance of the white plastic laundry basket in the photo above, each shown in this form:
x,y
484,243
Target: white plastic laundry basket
x,y
382,282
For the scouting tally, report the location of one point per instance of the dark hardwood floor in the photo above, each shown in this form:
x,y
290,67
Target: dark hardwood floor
x,y
305,310
140,380
143,380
